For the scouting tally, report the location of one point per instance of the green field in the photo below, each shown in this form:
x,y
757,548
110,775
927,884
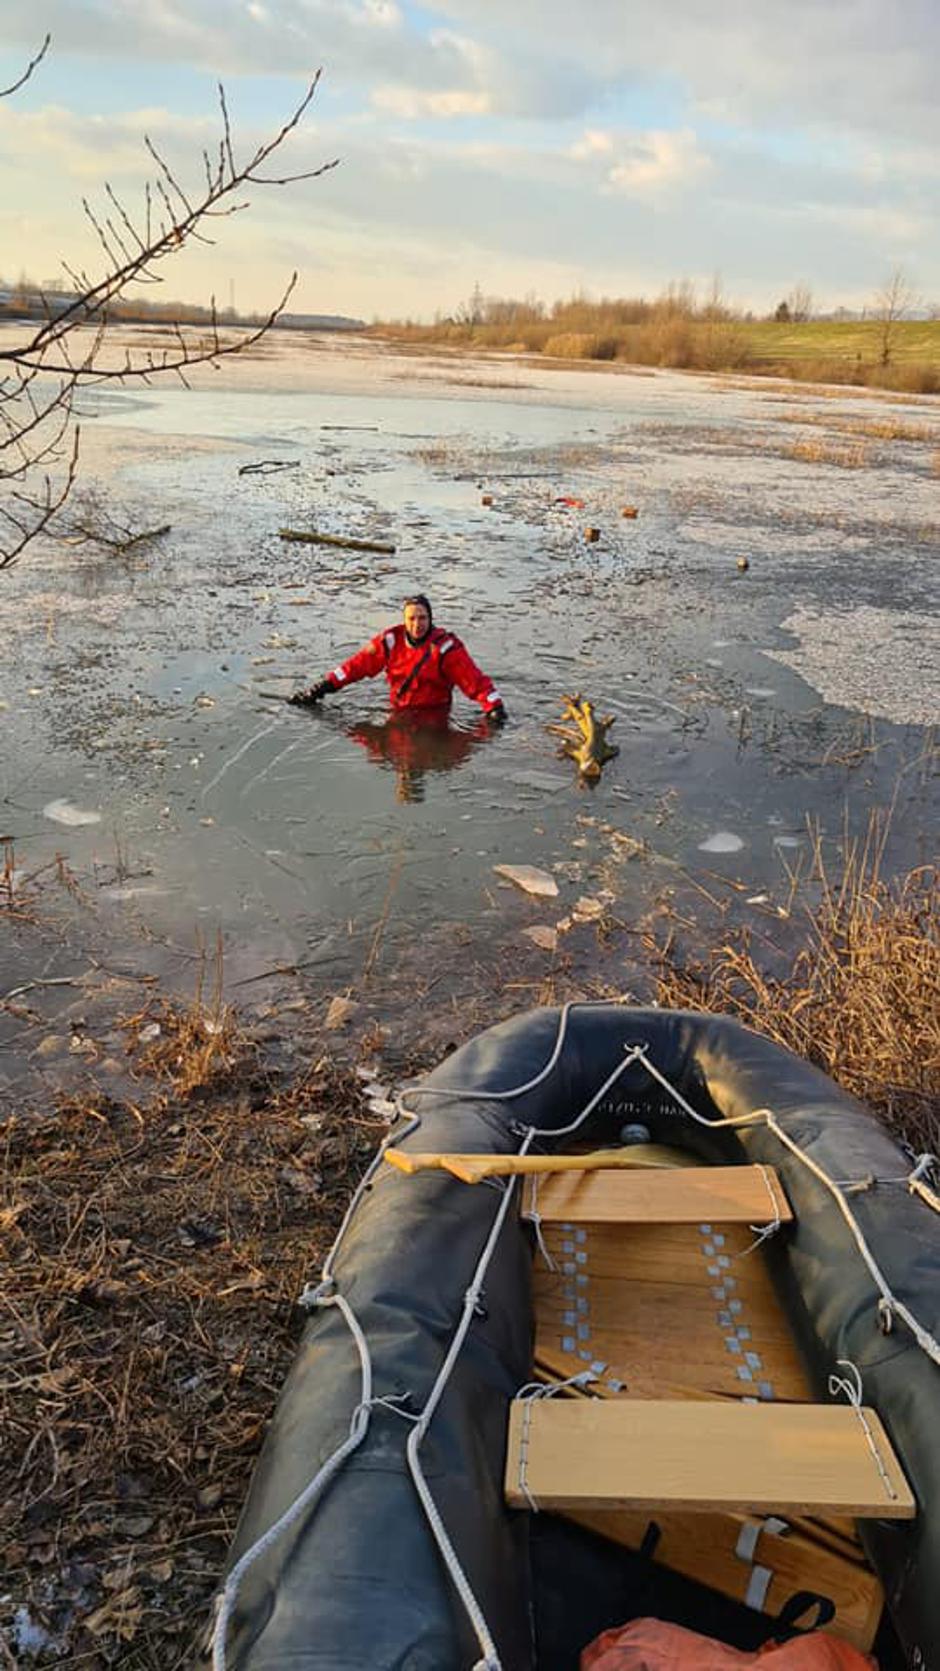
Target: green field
x,y
851,340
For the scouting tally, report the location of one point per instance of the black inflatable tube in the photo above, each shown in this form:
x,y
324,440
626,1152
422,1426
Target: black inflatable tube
x,y
357,1581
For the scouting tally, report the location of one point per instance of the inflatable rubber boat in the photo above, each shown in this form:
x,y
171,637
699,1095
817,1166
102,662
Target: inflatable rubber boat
x,y
684,1368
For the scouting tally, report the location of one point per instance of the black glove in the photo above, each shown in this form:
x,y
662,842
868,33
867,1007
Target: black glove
x,y
308,698
497,715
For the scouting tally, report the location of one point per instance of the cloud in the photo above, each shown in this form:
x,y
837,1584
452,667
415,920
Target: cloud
x,y
410,103
593,143
657,163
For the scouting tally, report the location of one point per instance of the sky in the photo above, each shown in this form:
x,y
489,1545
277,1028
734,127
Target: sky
x,y
546,147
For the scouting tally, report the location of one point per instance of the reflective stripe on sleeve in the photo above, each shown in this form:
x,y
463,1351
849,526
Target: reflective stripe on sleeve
x,y
448,644
338,675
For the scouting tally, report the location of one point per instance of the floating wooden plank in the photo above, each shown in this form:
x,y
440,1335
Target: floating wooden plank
x,y
703,1457
312,537
689,1195
709,1548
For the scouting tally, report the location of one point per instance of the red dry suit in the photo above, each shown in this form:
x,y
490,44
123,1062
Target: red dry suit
x,y
419,675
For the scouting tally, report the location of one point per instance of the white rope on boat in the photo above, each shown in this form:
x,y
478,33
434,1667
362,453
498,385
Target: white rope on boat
x,y
531,1213
528,1395
358,1428
851,1386
763,1232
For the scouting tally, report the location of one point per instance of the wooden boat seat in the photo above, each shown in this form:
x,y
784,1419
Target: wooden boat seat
x,y
688,1312
666,1454
718,1194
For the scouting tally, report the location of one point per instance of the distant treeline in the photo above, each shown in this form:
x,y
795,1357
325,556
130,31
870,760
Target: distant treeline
x,y
676,330
29,301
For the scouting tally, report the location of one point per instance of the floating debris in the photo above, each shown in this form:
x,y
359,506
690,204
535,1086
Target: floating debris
x,y
340,1013
530,879
337,540
723,841
267,466
64,812
584,738
543,936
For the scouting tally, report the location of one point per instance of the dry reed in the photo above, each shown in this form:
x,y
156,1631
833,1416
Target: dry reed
x,y
829,452
860,998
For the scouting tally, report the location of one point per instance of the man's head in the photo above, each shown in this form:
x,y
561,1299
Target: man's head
x,y
417,618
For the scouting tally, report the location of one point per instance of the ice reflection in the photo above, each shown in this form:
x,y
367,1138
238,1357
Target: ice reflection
x,y
413,744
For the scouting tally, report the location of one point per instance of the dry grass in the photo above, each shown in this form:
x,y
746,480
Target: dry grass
x,y
819,451
860,998
149,1260
886,428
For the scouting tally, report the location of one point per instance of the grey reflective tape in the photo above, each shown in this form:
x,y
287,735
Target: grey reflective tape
x,y
598,1366
744,1373
766,1389
706,1229
719,1240
724,1319
754,1359
746,1546
448,644
567,1343
757,1586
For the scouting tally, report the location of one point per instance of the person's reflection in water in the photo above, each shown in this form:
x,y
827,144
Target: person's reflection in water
x,y
414,743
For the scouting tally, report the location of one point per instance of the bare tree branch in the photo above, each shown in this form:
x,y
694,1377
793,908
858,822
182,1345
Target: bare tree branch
x,y
35,428
40,55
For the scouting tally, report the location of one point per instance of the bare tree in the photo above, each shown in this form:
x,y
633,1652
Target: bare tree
x,y
40,376
890,304
800,303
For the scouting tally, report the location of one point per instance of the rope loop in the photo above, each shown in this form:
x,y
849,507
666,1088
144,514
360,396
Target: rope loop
x,y
318,1293
529,1395
851,1385
886,1314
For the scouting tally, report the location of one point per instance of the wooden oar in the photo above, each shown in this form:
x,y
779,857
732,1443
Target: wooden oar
x,y
472,1169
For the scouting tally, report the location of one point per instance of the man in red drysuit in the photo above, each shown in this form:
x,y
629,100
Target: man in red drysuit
x,y
422,664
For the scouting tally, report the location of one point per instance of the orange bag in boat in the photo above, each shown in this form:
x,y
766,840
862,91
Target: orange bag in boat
x,y
652,1645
